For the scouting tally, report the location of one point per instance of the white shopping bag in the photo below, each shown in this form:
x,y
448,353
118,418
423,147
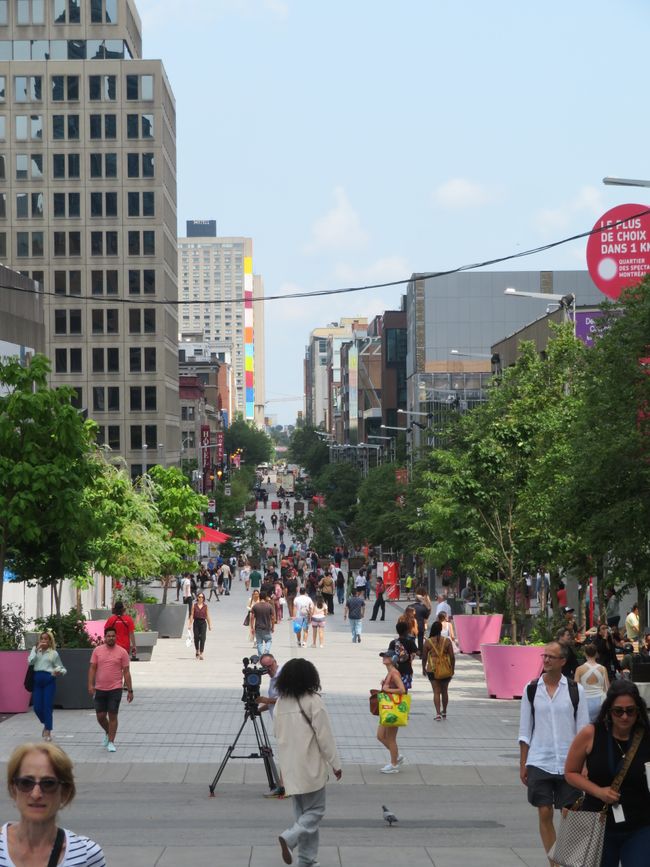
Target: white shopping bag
x,y
188,641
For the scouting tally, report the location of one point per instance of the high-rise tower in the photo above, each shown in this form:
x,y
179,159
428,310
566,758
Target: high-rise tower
x,y
88,208
220,298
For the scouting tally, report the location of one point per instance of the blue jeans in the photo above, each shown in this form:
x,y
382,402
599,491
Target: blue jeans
x,y
631,849
355,627
263,640
340,595
43,697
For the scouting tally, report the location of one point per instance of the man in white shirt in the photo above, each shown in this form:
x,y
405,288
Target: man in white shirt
x,y
302,609
547,727
443,605
360,580
187,592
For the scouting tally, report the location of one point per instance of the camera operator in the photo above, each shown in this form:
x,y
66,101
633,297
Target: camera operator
x,y
266,702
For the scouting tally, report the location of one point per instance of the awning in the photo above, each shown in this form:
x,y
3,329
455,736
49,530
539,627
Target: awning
x,y
210,535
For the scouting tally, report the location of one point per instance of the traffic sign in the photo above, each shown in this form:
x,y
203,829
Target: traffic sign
x,y
212,507
227,490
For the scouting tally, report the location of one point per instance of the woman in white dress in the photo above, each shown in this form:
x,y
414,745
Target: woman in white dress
x,y
593,678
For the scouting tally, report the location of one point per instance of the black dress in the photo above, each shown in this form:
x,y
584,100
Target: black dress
x,y
603,763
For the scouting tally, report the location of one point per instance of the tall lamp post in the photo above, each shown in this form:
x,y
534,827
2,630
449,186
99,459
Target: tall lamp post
x,y
567,302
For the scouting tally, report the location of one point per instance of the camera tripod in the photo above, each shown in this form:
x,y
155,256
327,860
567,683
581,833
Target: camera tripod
x,y
265,752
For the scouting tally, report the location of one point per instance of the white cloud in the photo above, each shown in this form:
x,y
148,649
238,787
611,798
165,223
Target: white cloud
x,y
588,202
381,271
339,229
462,193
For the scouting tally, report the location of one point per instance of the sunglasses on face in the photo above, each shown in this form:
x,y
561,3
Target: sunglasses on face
x,y
625,711
47,785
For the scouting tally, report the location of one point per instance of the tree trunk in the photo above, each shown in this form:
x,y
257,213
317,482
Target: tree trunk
x,y
512,589
600,590
641,593
57,588
165,583
78,589
3,552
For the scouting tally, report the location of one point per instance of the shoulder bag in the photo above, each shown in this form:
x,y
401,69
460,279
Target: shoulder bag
x,y
29,678
582,834
55,854
438,662
373,702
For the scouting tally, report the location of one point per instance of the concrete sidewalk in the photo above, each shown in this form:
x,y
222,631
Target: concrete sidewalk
x,y
458,797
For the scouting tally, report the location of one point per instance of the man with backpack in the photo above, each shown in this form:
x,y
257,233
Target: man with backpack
x,y
553,710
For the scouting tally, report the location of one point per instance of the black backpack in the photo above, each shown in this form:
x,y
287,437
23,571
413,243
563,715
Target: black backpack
x,y
574,695
402,654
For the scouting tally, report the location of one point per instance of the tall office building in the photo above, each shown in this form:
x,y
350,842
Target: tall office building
x,y
220,297
88,207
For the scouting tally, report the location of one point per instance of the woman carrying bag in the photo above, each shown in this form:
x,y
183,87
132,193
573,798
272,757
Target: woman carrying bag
x,y
438,663
391,685
199,623
614,750
47,667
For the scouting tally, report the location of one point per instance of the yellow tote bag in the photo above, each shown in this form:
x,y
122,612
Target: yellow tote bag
x,y
393,709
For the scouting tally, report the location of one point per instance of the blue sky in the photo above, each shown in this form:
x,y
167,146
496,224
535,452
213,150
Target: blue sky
x,y
357,141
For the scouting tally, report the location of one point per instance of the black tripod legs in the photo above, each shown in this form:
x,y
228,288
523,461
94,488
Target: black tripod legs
x,y
264,752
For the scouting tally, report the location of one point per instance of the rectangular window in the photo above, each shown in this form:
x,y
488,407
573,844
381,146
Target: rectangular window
x,y
104,281
136,437
150,400
29,205
114,436
139,87
103,126
103,165
149,320
150,359
135,398
102,88
135,359
65,88
65,126
134,243
29,244
112,360
61,360
134,321
103,11
112,321
67,12
65,166
103,204
66,205
98,360
28,88
99,398
67,243
113,398
29,127
67,321
97,321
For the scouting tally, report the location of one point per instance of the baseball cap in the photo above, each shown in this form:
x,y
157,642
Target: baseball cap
x,y
387,653
567,609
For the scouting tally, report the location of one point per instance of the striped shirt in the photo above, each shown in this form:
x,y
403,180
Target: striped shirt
x,y
79,851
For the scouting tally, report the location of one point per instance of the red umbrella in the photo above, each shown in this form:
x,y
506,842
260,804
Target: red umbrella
x,y
210,535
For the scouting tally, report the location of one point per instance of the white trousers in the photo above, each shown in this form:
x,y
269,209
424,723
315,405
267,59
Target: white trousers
x,y
309,809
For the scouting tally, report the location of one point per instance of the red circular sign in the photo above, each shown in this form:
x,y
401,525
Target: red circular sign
x,y
619,255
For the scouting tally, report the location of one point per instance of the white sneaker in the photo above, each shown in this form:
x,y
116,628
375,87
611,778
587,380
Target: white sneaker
x,y
105,741
389,769
400,760
111,747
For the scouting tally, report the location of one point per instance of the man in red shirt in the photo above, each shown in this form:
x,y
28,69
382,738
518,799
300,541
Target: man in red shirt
x,y
109,666
124,627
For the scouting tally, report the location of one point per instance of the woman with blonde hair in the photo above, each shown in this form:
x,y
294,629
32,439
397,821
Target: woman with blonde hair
x,y
47,667
248,620
40,782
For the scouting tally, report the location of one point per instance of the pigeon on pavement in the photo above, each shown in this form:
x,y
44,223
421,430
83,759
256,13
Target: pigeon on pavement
x,y
389,816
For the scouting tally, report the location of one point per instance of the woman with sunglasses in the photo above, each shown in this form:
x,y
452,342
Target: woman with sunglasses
x,y
200,622
40,782
600,748
47,667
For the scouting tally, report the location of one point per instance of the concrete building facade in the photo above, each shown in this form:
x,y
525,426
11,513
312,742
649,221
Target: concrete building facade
x,y
469,312
88,209
22,325
220,298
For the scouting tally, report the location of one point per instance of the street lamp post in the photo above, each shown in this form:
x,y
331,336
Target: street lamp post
x,y
567,302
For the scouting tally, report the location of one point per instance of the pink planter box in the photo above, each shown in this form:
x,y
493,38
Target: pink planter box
x,y
473,630
14,698
509,667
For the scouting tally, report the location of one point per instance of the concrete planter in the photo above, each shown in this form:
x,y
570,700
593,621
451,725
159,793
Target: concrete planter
x,y
145,643
72,690
14,698
474,630
167,620
100,613
509,667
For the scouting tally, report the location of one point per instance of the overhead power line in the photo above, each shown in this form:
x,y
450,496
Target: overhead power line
x,y
315,293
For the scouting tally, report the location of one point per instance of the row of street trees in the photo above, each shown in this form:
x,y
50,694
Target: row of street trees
x,y
553,469
66,510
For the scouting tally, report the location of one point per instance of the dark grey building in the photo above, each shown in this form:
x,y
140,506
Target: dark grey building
x,y
22,324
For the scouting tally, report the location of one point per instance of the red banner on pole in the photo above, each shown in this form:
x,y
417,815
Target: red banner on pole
x,y
219,448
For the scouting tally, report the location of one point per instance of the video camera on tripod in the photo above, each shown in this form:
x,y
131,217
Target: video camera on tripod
x,y
253,673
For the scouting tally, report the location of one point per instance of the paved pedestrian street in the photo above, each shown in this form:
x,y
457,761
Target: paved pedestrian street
x,y
458,797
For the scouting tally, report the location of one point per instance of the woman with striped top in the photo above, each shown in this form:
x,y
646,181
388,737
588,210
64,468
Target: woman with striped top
x,y
40,782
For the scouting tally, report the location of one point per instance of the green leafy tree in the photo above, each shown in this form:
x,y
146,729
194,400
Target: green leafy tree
x,y
308,450
255,444
179,509
323,540
45,467
380,514
339,484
